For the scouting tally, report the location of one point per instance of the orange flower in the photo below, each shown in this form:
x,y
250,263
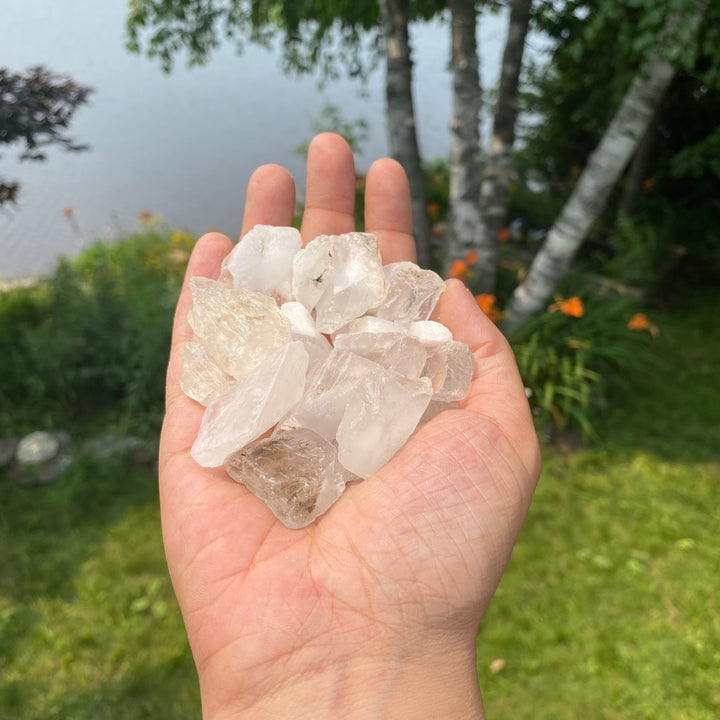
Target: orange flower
x,y
458,269
503,234
144,215
68,212
572,307
639,321
472,257
485,301
433,210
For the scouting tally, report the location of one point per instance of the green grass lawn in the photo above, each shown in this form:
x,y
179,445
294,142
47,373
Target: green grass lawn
x,y
609,608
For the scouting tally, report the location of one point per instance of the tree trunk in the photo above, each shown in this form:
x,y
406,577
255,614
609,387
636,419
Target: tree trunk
x,y
465,168
597,180
401,116
496,178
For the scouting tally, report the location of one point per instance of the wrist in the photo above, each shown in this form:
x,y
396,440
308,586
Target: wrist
x,y
429,681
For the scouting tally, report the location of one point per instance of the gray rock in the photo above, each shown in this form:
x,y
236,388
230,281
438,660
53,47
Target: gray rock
x,y
37,448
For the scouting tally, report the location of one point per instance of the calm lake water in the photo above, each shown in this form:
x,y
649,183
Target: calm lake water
x,y
182,145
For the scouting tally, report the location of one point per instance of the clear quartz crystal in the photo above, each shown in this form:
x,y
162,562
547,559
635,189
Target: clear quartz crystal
x,y
238,328
394,351
295,473
252,405
263,261
450,369
412,292
202,379
381,413
339,410
302,328
340,277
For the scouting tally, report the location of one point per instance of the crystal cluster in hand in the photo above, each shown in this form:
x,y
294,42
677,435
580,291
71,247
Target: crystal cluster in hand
x,y
293,415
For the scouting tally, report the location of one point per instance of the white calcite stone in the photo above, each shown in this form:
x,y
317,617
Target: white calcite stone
x,y
340,277
202,379
381,413
295,473
450,368
412,292
370,323
238,328
394,351
252,405
263,261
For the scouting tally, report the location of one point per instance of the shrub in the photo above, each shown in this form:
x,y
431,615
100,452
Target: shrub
x,y
94,337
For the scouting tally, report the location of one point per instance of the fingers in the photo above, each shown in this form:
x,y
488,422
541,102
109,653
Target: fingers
x,y
330,191
388,211
270,198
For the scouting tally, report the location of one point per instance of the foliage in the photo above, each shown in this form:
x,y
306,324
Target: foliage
x,y
573,356
35,109
331,119
93,337
329,37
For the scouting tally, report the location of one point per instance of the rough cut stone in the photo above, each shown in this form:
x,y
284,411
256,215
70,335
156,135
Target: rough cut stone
x,y
295,473
450,369
394,351
340,277
412,292
430,333
252,405
202,379
381,414
302,328
238,328
263,261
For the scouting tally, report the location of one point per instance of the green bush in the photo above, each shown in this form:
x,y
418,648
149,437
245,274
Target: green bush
x,y
572,365
94,337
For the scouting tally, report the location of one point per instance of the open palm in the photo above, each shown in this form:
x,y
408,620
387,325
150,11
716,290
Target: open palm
x,y
397,572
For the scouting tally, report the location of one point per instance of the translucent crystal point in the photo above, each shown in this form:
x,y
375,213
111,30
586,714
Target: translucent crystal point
x,y
381,414
450,369
252,405
202,379
394,351
263,261
238,328
295,473
340,277
412,292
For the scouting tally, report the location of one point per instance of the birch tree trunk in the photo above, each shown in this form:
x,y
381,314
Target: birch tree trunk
x,y
465,167
401,116
597,180
496,177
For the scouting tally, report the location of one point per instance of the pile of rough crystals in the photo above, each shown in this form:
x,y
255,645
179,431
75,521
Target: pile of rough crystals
x,y
338,409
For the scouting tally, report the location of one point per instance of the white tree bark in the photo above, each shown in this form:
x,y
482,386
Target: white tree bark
x,y
597,180
465,167
496,176
401,115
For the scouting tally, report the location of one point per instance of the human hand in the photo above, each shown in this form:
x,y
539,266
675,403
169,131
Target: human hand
x,y
373,610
